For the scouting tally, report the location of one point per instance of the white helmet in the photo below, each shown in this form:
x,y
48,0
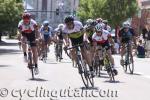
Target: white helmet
x,y
60,26
126,25
98,27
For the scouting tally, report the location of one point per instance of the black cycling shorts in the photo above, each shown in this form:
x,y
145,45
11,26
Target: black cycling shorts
x,y
125,40
76,41
105,45
30,37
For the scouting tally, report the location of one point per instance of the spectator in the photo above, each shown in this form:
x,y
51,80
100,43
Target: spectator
x,y
140,50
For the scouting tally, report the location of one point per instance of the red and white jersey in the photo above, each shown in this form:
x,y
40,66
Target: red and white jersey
x,y
101,39
27,28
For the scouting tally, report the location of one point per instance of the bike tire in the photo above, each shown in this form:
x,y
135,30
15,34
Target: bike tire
x,y
83,76
32,71
30,65
91,80
125,67
131,67
112,76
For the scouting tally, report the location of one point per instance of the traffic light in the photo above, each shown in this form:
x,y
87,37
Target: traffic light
x,y
57,11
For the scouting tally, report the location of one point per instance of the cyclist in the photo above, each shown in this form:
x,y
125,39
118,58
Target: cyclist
x,y
99,21
22,42
73,30
58,36
46,32
106,26
126,34
89,30
59,33
103,38
28,29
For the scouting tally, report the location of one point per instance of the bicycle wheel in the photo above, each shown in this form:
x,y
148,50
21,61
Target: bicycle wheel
x,y
88,75
30,64
44,56
32,71
109,69
82,70
112,78
56,52
125,64
83,74
125,67
131,66
60,52
91,80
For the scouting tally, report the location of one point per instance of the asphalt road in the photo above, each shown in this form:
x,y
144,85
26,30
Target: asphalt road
x,y
60,81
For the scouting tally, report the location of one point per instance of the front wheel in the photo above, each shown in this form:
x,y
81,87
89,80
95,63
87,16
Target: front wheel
x,y
131,66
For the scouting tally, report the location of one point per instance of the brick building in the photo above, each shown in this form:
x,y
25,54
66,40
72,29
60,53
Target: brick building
x,y
143,16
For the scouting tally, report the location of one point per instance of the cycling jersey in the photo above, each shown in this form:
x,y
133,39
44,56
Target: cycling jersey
x,y
27,28
47,32
126,36
75,32
59,33
101,39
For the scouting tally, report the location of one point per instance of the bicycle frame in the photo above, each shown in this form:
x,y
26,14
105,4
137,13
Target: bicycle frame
x,y
128,59
82,67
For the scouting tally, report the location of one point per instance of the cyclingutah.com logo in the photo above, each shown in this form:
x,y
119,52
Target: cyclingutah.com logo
x,y
53,94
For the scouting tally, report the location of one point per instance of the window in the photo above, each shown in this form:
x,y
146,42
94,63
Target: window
x,y
44,4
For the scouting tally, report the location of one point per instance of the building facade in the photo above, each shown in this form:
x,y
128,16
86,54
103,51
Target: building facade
x,y
143,16
52,10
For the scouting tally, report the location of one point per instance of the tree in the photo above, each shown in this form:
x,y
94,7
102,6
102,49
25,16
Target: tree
x,y
116,11
10,14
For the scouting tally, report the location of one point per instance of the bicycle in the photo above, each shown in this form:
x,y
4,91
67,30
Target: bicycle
x,y
44,55
30,62
58,50
128,61
107,64
44,52
97,62
82,66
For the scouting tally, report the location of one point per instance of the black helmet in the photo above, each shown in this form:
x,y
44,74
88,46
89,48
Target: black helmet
x,y
69,19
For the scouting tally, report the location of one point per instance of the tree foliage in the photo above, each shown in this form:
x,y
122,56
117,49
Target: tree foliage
x,y
116,11
10,14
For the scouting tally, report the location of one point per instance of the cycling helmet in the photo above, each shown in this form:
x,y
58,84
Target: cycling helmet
x,y
105,21
26,16
69,19
126,25
98,27
45,23
60,26
89,21
99,20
